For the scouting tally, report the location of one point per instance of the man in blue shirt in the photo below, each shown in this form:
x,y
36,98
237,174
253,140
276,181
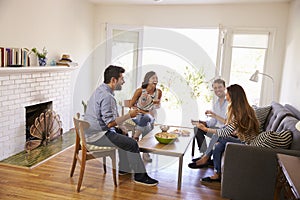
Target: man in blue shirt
x,y
217,120
102,114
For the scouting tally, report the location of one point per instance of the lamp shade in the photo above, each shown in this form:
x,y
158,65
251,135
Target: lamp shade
x,y
298,126
254,76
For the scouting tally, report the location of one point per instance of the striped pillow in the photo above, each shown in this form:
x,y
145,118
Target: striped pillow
x,y
261,114
272,139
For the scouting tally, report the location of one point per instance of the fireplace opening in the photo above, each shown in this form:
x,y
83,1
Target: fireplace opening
x,y
33,112
42,125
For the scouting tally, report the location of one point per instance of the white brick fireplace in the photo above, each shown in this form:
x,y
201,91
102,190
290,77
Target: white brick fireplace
x,y
25,86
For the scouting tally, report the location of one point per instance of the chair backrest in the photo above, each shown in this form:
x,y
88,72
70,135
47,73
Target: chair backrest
x,y
125,104
80,126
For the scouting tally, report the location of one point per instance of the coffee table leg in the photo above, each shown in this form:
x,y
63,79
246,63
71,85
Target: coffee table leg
x,y
180,172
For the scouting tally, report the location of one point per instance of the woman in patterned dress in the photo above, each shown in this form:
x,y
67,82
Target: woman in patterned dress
x,y
147,100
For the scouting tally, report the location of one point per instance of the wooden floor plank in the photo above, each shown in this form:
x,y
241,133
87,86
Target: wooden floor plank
x,y
51,180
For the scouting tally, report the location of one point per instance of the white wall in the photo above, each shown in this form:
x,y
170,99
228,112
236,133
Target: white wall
x,y
270,16
291,72
76,27
62,26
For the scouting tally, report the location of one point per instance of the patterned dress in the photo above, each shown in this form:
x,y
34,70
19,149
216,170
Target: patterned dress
x,y
145,101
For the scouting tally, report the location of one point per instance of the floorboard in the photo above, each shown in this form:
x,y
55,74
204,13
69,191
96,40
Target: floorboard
x,y
51,180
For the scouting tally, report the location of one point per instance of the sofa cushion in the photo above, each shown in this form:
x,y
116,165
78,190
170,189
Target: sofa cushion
x,y
293,110
273,139
261,114
277,113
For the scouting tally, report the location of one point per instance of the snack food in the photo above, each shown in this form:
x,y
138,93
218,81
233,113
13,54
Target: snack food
x,y
165,138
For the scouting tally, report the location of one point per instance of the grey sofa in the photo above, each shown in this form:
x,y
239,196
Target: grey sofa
x,y
250,172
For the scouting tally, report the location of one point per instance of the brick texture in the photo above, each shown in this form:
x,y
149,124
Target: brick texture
x,y
24,89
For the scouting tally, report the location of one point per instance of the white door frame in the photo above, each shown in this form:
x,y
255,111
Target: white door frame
x,y
108,57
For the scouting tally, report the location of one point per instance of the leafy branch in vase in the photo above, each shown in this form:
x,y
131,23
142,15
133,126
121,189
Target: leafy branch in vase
x,y
39,54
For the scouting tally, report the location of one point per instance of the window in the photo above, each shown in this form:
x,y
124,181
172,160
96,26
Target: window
x,y
123,49
246,53
173,54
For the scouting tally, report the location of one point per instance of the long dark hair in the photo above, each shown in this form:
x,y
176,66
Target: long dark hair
x,y
240,111
148,75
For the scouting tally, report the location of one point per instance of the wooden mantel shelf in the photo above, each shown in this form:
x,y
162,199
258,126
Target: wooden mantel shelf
x,y
16,70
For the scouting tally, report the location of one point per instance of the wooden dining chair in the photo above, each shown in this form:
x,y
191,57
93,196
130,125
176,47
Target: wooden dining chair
x,y
89,152
129,124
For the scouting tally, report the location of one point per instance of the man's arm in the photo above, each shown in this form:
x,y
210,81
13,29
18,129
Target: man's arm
x,y
215,116
119,120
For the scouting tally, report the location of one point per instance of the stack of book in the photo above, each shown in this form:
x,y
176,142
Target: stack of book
x,y
14,57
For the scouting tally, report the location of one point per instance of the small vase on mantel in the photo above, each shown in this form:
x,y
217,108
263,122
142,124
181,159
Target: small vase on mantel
x,y
42,61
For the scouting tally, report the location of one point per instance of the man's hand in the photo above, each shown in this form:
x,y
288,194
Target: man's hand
x,y
210,113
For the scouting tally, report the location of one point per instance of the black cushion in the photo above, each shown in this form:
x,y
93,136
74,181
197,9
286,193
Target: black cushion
x,y
261,114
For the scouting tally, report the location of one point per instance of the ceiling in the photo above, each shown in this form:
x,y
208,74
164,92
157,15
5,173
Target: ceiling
x,y
181,2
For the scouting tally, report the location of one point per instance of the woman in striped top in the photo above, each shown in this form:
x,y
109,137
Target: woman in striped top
x,y
241,126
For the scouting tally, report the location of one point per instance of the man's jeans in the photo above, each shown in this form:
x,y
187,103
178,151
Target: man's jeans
x,y
129,153
200,137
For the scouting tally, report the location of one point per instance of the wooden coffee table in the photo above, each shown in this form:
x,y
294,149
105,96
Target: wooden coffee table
x,y
177,149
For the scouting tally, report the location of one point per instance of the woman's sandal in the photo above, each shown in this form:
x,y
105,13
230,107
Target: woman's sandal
x,y
194,165
210,180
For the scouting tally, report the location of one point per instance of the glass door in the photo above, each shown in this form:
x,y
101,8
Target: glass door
x,y
246,52
123,49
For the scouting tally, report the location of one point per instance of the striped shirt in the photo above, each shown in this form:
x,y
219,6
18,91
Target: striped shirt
x,y
229,130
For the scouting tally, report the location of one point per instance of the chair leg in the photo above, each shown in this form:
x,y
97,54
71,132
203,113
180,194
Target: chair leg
x,y
193,147
114,167
76,151
82,168
104,164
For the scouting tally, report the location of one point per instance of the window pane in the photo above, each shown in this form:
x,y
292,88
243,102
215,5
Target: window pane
x,y
244,63
250,40
177,55
124,53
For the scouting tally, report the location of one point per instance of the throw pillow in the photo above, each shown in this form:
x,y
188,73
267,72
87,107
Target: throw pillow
x,y
272,139
262,114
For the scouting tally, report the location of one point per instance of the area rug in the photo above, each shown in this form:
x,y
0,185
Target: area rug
x,y
43,153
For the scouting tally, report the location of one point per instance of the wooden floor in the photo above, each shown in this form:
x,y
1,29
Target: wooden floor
x,y
51,180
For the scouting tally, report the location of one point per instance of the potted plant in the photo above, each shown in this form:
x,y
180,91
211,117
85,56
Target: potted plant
x,y
41,55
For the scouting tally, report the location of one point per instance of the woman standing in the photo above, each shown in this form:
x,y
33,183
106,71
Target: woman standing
x,y
241,126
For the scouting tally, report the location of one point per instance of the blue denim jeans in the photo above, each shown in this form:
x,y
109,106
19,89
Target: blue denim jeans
x,y
214,139
219,150
143,119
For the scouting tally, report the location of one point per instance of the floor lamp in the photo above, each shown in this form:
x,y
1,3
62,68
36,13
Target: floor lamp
x,y
254,78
